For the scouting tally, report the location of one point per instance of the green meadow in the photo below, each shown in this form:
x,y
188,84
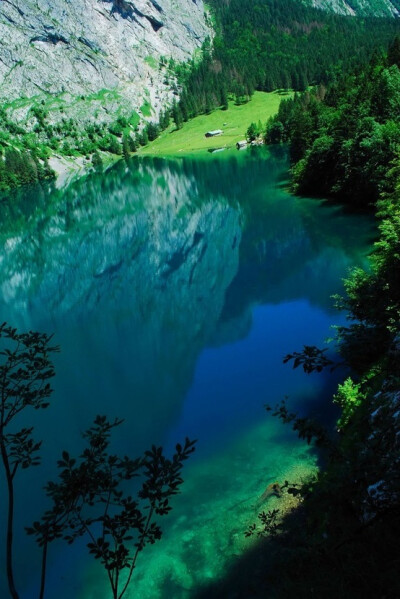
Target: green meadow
x,y
233,122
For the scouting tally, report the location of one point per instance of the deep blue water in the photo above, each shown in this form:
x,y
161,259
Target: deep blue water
x,y
174,289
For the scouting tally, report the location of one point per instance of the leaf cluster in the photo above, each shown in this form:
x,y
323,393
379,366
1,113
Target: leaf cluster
x,y
93,497
25,373
311,358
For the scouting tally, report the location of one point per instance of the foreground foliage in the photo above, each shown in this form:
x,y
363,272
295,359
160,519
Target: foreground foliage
x,y
94,494
350,513
25,372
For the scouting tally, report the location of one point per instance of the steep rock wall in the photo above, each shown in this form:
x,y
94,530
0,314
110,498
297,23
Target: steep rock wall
x,y
107,51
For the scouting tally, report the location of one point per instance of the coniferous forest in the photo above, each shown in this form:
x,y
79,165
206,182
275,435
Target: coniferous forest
x,y
265,45
344,137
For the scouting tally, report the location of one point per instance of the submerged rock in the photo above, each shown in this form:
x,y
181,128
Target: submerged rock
x,y
272,490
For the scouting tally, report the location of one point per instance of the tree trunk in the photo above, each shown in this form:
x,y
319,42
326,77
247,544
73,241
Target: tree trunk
x,y
43,572
10,522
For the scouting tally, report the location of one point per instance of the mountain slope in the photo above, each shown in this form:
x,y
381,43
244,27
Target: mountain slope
x,y
83,47
375,8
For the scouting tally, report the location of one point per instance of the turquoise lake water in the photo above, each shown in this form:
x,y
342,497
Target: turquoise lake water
x,y
175,288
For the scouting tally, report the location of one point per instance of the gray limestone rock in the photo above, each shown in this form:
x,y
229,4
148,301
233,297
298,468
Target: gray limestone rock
x,y
377,8
107,51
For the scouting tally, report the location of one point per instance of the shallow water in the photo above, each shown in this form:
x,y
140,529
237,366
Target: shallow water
x,y
174,288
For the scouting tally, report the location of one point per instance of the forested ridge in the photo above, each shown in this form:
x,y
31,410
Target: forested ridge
x,y
344,138
268,44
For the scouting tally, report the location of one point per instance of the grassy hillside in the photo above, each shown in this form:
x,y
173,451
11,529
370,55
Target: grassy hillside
x,y
234,123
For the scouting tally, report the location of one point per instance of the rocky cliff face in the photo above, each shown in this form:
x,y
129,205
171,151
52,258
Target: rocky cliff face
x,y
377,8
105,52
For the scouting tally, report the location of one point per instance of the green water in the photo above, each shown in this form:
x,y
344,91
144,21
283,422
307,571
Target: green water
x,y
174,288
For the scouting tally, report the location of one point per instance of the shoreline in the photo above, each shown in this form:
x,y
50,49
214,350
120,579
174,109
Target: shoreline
x,y
67,169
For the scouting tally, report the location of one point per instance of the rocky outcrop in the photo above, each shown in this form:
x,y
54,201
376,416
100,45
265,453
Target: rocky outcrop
x,y
382,452
376,8
106,52
272,490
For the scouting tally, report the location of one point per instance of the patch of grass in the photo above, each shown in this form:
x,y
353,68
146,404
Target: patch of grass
x,y
22,103
151,61
146,109
234,123
104,94
134,119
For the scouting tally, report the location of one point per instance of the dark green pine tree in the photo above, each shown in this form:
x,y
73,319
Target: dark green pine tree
x,y
302,82
97,161
144,138
114,145
270,83
177,115
251,132
164,120
224,98
183,105
133,143
152,131
394,52
126,146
